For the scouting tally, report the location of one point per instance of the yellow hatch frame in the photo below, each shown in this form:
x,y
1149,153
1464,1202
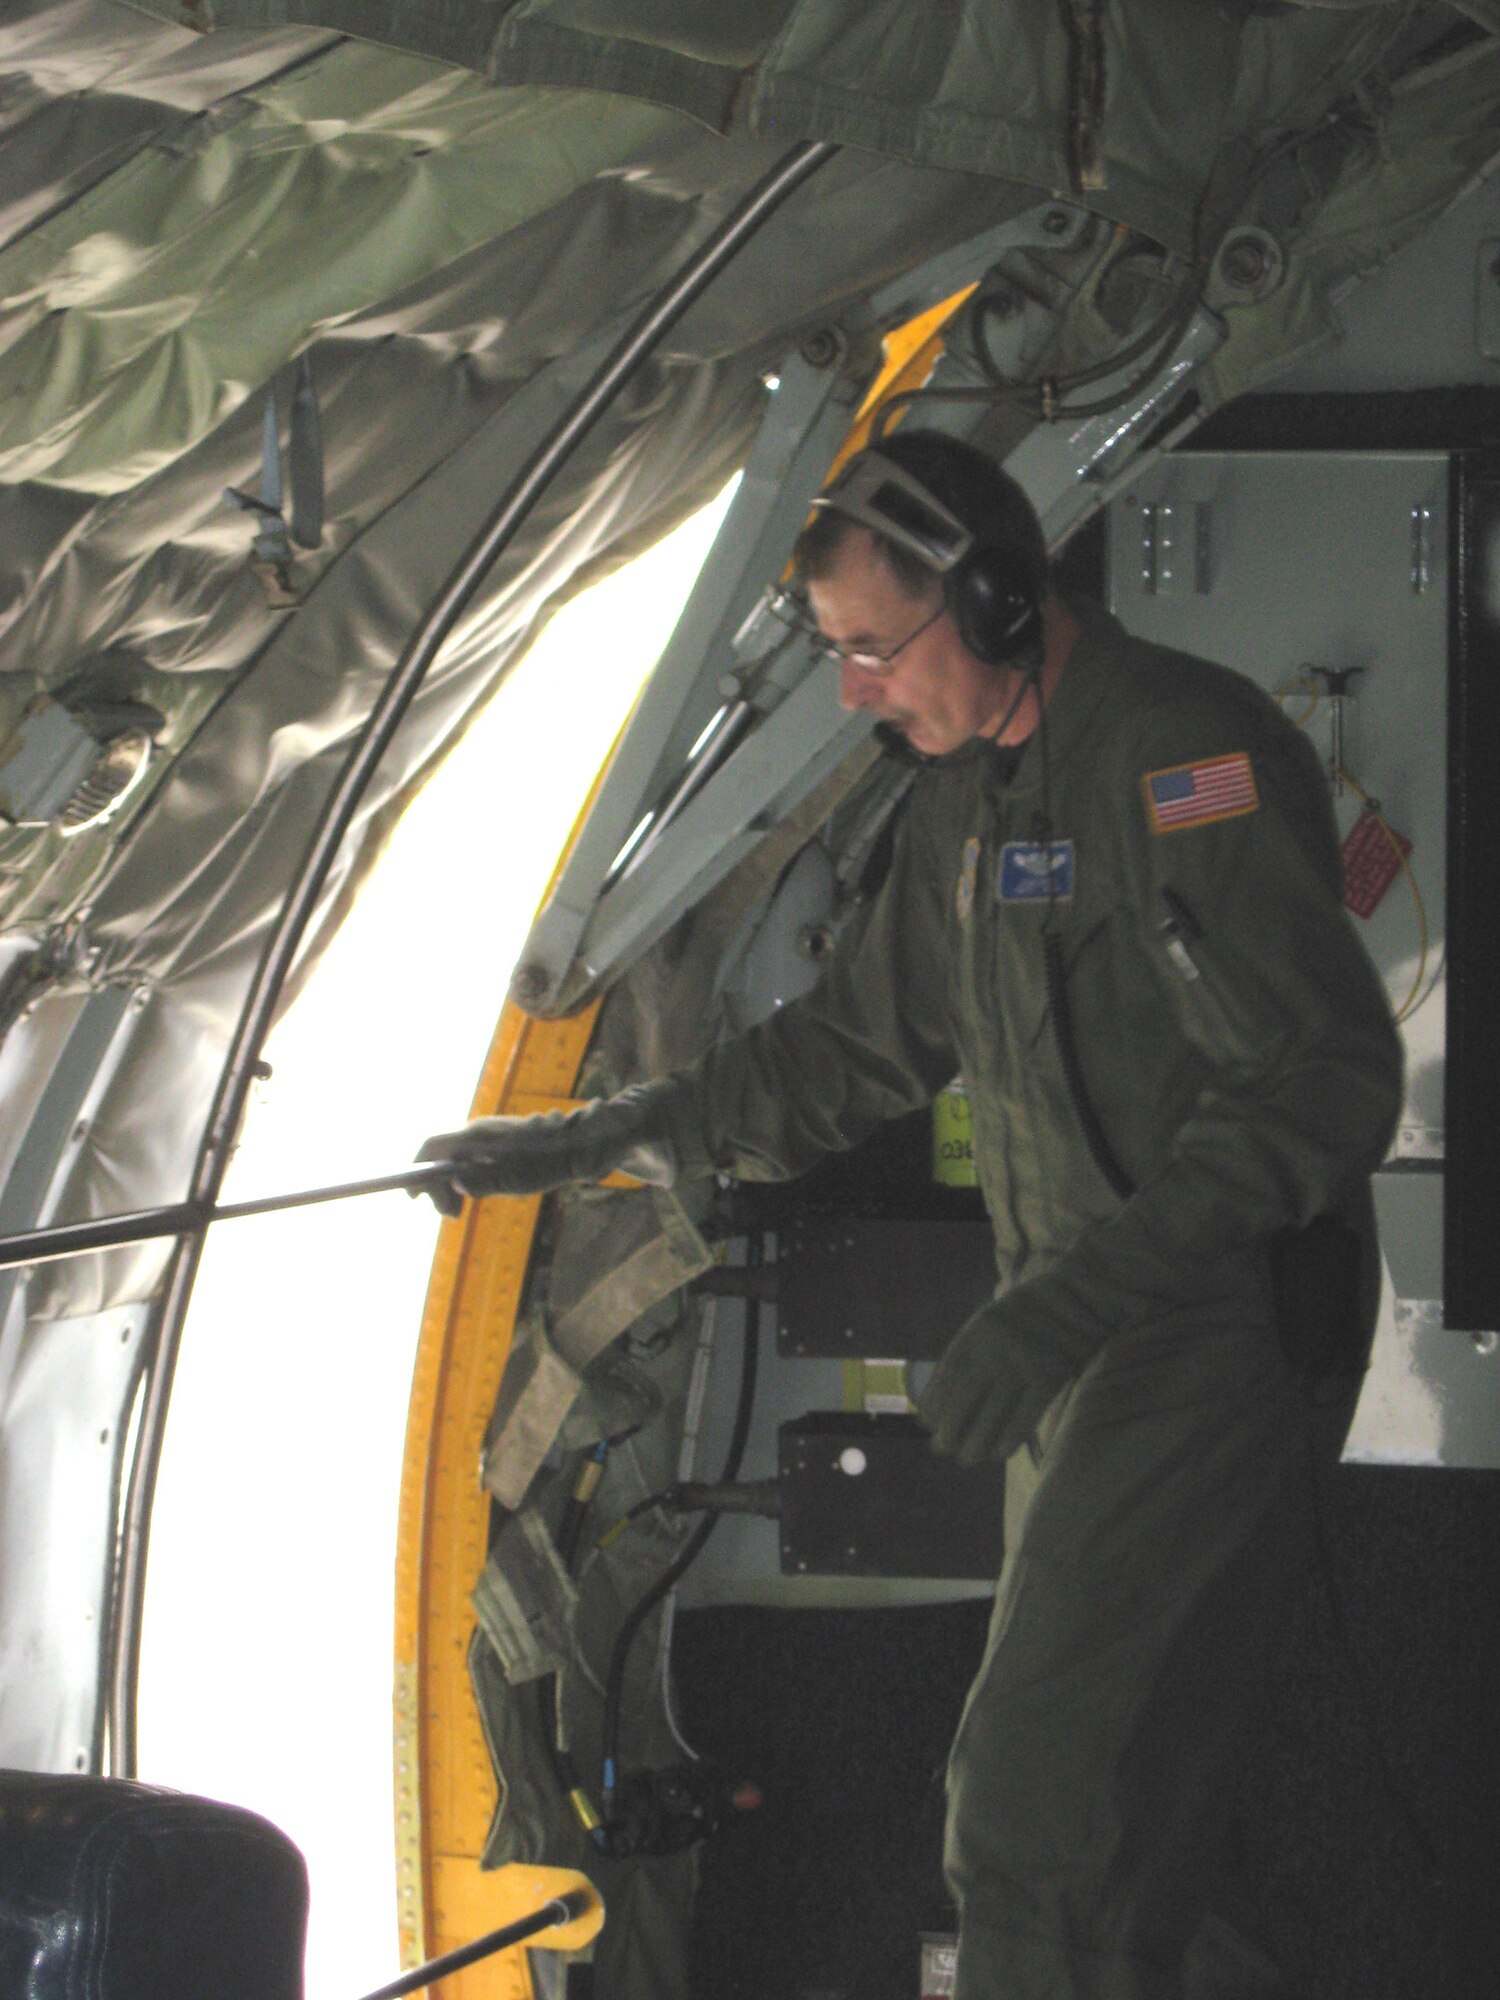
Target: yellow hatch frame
x,y
444,1788
445,1791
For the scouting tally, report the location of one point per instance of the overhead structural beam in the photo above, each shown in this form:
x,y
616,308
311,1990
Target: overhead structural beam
x,y
370,746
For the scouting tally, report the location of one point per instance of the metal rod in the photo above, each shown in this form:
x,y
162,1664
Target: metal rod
x,y
146,1225
784,178
561,1910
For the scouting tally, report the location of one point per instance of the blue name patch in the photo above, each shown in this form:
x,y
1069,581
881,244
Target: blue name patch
x,y
1035,871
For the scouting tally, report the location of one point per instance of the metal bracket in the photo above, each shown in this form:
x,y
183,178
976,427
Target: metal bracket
x,y
1071,469
1421,549
1158,547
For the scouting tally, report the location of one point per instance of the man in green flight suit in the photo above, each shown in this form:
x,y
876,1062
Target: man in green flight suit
x,y
1114,908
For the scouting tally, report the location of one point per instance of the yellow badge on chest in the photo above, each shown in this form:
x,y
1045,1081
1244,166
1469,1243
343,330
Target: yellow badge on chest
x,y
968,875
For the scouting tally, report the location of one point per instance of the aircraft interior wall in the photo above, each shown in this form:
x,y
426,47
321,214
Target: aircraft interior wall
x,y
1333,533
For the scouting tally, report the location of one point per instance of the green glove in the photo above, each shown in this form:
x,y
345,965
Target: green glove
x,y
990,1390
554,1148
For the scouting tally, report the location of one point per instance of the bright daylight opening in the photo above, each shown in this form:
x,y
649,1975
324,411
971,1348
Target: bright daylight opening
x,y
267,1669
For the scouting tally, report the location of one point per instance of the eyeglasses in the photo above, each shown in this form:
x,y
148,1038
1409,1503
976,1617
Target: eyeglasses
x,y
864,658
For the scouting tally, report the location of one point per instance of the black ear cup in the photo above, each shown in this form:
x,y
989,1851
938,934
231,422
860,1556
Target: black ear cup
x,y
993,601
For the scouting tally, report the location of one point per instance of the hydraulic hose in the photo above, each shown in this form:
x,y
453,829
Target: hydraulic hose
x,y
306,886
1043,397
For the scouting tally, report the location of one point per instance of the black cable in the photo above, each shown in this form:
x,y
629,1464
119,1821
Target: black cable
x,y
691,1496
1141,380
614,1686
1138,344
1055,978
1040,397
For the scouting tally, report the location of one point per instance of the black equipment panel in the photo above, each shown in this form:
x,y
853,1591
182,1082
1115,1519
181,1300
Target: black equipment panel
x,y
859,1285
868,1496
1471,1122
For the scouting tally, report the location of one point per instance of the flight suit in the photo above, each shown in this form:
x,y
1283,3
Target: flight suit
x,y
1173,832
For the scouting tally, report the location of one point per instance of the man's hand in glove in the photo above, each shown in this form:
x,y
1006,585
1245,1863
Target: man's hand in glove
x,y
553,1148
988,1393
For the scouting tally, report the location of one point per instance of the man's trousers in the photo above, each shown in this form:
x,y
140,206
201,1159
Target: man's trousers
x,y
1152,1531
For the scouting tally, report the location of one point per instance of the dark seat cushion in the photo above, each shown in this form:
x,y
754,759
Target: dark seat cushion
x,y
116,1891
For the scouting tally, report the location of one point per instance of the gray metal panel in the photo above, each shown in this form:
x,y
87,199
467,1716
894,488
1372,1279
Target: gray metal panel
x,y
30,1089
64,1441
67,1371
1270,561
74,1043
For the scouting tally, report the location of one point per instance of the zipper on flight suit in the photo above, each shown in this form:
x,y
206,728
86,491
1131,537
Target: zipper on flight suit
x,y
1060,1013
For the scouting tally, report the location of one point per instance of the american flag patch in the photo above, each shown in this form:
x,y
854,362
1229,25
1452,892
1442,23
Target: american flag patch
x,y
1194,794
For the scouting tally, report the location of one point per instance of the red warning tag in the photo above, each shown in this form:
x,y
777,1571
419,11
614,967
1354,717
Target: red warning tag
x,y
1373,853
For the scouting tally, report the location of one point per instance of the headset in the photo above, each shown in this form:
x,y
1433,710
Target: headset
x,y
991,592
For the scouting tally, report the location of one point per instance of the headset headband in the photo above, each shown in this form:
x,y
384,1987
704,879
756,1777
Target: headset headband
x,y
873,490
